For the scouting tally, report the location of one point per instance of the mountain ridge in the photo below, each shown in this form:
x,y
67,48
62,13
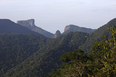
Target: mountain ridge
x,y
30,23
73,28
97,35
8,26
46,58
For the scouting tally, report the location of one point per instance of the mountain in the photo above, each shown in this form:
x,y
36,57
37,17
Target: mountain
x,y
45,58
7,26
97,62
57,34
15,48
96,35
31,25
73,28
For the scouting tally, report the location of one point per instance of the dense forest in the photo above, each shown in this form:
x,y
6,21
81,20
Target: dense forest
x,y
33,55
101,62
15,48
46,57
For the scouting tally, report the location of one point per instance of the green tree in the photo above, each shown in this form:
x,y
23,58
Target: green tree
x,y
101,62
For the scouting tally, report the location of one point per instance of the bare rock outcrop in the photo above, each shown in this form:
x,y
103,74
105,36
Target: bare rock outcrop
x,y
58,33
31,25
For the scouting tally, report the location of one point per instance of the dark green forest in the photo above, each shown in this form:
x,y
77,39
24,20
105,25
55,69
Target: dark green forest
x,y
46,58
101,62
15,48
33,55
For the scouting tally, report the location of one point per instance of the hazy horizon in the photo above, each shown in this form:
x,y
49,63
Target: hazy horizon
x,y
52,15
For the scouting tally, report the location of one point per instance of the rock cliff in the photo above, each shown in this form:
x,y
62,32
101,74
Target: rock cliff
x,y
31,25
8,26
27,23
73,28
58,33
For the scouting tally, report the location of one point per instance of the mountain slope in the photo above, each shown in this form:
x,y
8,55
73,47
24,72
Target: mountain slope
x,y
7,26
31,25
15,48
40,64
46,58
73,28
97,35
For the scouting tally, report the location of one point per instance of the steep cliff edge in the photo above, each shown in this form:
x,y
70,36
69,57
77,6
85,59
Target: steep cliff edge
x,y
73,28
8,26
31,25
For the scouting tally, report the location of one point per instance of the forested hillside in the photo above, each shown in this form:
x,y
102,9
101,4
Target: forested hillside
x,y
101,62
46,59
97,35
15,48
35,55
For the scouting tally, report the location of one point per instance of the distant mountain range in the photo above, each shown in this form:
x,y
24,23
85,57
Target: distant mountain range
x,y
28,27
74,28
70,28
31,25
8,26
28,55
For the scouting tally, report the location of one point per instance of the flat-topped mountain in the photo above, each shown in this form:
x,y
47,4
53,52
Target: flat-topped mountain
x,y
27,23
8,26
31,25
73,28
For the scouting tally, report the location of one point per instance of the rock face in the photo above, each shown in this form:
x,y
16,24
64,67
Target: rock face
x,y
58,33
27,23
8,26
73,28
31,25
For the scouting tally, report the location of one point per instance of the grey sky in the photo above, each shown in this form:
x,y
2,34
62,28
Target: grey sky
x,y
53,15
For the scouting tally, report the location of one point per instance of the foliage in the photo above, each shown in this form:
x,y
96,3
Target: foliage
x,y
39,55
46,58
96,36
101,62
15,48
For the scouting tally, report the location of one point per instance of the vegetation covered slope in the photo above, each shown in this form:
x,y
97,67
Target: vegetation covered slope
x,y
15,48
96,35
42,61
101,62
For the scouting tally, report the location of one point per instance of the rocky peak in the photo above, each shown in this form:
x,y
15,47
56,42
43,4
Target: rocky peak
x,y
58,33
29,23
74,28
68,27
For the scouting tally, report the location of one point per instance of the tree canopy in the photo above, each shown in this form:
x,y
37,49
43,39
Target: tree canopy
x,y
101,62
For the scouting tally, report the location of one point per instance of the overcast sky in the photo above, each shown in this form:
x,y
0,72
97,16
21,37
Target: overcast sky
x,y
52,15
